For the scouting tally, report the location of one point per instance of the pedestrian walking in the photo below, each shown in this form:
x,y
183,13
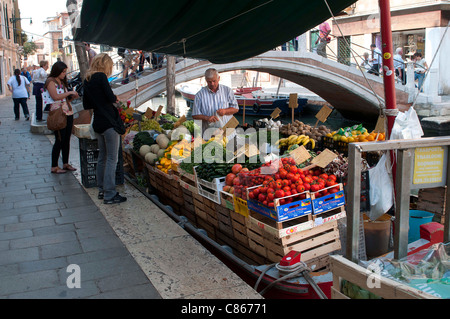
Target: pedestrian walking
x,y
26,74
19,86
107,125
91,52
399,66
375,60
365,62
39,78
323,39
57,96
420,68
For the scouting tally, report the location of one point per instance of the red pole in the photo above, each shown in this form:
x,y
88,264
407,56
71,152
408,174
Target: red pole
x,y
388,61
388,71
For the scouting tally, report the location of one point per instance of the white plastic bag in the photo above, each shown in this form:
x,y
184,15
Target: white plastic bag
x,y
406,126
91,129
381,190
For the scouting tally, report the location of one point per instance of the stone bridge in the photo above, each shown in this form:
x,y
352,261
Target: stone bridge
x,y
353,94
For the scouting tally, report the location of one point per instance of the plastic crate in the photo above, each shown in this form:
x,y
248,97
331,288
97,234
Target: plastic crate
x,y
89,156
327,142
89,172
89,181
86,144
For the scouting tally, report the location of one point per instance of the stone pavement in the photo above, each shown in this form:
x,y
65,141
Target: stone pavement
x,y
49,221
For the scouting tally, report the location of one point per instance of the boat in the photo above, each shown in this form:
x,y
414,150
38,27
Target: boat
x,y
253,99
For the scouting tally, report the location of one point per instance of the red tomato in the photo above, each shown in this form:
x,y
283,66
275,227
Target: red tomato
x,y
256,192
286,188
285,182
251,195
270,196
323,176
330,182
271,205
314,188
261,197
317,172
283,173
307,186
282,201
333,177
287,193
301,188
279,193
293,169
263,190
294,192
290,176
265,203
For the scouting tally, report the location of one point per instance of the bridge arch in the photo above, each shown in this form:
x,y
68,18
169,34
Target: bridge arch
x,y
342,86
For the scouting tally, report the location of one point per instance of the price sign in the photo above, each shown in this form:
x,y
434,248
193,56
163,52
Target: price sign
x,y
300,154
275,113
380,127
231,124
293,101
180,121
158,112
324,158
149,113
323,114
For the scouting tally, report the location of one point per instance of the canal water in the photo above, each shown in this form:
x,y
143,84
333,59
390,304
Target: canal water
x,y
334,121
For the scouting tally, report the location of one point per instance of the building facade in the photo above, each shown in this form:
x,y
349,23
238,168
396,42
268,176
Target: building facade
x,y
10,42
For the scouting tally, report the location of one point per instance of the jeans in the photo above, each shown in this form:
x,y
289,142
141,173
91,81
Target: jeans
x,y
17,103
322,49
62,143
420,77
108,145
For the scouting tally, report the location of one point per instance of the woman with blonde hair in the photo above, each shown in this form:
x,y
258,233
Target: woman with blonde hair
x,y
107,124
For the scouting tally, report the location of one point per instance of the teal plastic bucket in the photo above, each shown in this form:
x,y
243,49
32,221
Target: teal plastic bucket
x,y
417,218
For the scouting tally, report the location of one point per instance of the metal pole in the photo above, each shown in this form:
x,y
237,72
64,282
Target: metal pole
x,y
388,61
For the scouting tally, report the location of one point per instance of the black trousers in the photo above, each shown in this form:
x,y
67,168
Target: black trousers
x,y
62,143
17,103
38,95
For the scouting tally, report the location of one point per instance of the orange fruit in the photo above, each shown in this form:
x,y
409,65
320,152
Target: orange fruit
x,y
370,138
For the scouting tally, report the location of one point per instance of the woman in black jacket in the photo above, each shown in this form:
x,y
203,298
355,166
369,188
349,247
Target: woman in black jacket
x,y
107,124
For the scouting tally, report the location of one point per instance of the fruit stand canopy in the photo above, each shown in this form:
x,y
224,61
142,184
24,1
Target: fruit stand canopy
x,y
221,31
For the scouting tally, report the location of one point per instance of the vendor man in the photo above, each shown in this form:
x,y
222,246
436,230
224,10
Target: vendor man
x,y
214,98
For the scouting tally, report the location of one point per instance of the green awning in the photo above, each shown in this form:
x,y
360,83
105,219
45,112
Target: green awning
x,y
221,31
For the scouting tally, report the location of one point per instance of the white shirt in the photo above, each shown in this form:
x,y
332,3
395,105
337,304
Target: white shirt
x,y
377,56
398,62
207,103
19,91
419,66
39,76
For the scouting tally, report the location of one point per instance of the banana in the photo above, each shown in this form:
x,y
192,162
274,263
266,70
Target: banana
x,y
292,139
299,139
313,144
305,141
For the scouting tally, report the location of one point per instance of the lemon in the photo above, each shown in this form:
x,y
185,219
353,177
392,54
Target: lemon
x,y
344,139
351,139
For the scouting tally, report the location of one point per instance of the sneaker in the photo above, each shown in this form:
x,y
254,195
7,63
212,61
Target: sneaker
x,y
115,200
101,195
27,118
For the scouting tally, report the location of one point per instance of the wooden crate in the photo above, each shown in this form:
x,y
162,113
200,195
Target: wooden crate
x,y
128,163
224,220
274,240
205,210
433,200
344,269
239,224
210,230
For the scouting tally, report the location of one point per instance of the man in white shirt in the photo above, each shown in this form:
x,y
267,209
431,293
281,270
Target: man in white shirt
x,y
399,65
214,102
376,60
39,78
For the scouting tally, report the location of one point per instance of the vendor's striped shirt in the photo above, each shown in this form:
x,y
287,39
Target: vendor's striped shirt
x,y
207,102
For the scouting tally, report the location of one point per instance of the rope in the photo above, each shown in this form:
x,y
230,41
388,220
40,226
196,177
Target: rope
x,y
356,62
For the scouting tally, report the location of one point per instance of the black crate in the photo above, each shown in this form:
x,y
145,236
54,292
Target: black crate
x,y
87,144
365,188
327,142
90,156
342,147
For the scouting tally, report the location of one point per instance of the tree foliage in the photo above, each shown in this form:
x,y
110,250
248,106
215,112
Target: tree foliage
x,y
29,48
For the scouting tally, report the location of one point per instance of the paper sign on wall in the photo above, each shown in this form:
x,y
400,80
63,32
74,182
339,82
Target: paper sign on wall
x,y
428,165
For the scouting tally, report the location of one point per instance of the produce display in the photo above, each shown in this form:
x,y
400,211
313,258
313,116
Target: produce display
x,y
355,133
147,125
299,128
270,123
289,184
124,114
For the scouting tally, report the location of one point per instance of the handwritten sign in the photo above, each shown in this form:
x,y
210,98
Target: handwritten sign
x,y
380,127
180,121
324,158
300,154
158,112
129,111
293,101
231,125
323,114
149,113
428,165
275,113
